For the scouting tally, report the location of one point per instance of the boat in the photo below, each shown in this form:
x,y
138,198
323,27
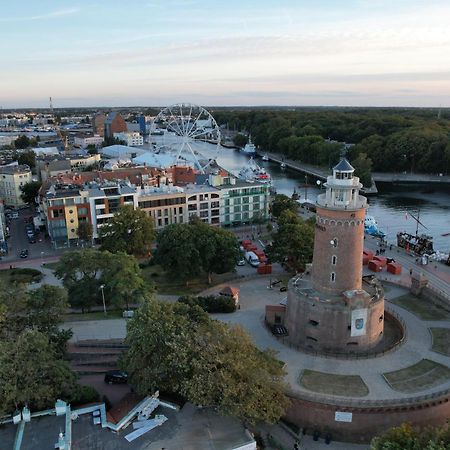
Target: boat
x,y
371,227
249,149
252,172
420,244
265,158
283,165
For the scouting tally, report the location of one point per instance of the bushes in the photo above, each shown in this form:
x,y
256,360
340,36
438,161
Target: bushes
x,y
211,303
25,275
84,394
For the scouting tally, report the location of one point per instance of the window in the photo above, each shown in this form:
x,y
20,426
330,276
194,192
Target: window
x,y
352,344
310,338
333,277
159,213
180,210
215,212
99,201
58,213
204,205
82,211
214,204
166,221
277,319
256,199
333,260
237,209
159,223
245,199
314,323
192,198
380,319
203,213
334,242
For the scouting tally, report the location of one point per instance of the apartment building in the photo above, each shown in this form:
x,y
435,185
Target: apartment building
x,y
203,201
12,178
165,204
132,139
64,207
241,202
84,140
106,198
114,123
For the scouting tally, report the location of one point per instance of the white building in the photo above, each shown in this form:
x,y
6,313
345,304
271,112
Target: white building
x,y
12,178
203,201
83,141
133,139
45,151
122,152
7,139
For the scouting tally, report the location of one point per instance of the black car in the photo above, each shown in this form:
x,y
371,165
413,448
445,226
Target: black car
x,y
116,377
24,254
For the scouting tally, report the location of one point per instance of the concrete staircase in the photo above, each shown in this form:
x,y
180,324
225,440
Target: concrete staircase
x,y
95,356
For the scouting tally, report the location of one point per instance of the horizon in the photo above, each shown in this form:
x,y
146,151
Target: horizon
x,y
243,54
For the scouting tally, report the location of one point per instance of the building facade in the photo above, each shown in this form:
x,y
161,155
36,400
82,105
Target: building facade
x,y
114,123
83,140
132,139
12,178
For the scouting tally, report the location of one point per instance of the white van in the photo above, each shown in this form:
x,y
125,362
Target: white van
x,y
252,259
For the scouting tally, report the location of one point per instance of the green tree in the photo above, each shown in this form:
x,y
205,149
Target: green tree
x,y
363,169
30,192
405,437
281,203
293,242
22,142
85,231
80,272
28,158
32,373
240,140
177,348
92,149
129,231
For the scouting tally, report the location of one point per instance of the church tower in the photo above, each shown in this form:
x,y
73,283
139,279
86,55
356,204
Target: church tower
x,y
334,309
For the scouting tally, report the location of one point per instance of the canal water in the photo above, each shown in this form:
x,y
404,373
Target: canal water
x,y
391,207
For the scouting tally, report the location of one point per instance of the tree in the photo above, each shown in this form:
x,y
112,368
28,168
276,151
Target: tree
x,y
92,149
22,142
32,373
240,140
281,203
405,437
129,231
28,158
177,348
80,272
293,242
30,192
363,169
85,231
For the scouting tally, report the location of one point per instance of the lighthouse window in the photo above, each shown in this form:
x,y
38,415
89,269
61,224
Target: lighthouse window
x,y
334,242
314,323
333,260
333,277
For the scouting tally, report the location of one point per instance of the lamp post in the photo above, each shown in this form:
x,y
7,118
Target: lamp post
x,y
102,286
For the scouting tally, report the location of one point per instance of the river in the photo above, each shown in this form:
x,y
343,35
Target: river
x,y
389,207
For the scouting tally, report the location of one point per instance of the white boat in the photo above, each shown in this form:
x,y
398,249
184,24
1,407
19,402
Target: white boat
x,y
265,158
249,149
283,165
252,173
371,227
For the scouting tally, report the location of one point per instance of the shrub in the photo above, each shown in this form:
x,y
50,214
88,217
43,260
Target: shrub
x,y
211,303
84,394
25,275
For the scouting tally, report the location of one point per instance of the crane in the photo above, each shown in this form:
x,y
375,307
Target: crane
x,y
58,129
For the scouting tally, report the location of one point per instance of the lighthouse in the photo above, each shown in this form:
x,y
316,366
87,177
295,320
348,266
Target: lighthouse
x,y
334,309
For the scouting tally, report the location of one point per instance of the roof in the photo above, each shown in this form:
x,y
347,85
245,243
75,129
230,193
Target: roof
x,y
154,160
121,151
343,166
230,290
12,169
276,308
59,164
110,117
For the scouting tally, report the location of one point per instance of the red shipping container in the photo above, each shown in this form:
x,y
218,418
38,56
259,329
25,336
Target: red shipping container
x,y
262,259
252,248
394,268
268,269
259,253
375,266
369,253
366,260
261,269
381,259
246,242
247,246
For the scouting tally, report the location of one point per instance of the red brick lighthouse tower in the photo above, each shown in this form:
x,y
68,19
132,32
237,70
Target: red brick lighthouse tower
x,y
333,309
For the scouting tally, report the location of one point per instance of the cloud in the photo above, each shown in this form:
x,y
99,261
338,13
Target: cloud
x,y
45,16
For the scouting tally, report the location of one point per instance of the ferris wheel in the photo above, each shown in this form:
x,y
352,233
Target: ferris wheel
x,y
189,133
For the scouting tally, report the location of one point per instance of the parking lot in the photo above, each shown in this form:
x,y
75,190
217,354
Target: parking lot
x,y
39,247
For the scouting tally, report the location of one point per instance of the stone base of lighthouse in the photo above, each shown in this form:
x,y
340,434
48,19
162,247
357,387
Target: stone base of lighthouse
x,y
349,322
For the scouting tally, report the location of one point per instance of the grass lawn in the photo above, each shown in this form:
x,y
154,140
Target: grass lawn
x,y
168,285
330,383
96,315
441,340
51,265
424,309
423,375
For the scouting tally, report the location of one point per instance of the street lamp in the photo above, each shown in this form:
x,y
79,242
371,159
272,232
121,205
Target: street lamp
x,y
102,286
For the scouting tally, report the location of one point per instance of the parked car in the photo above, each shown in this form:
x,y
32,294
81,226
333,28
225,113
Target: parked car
x,y
241,262
116,377
24,254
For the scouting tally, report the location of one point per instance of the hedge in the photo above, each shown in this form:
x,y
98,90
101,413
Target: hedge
x,y
211,303
25,275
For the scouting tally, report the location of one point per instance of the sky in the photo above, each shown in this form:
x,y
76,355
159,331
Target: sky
x,y
228,52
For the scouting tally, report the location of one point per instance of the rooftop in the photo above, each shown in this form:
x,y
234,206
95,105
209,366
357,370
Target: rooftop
x,y
13,169
343,166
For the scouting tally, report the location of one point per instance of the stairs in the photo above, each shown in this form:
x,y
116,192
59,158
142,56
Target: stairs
x,y
95,356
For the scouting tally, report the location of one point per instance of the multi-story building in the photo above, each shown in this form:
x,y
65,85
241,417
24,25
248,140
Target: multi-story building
x,y
53,166
114,123
106,198
166,204
64,208
241,202
203,201
98,124
132,139
7,139
84,140
12,178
